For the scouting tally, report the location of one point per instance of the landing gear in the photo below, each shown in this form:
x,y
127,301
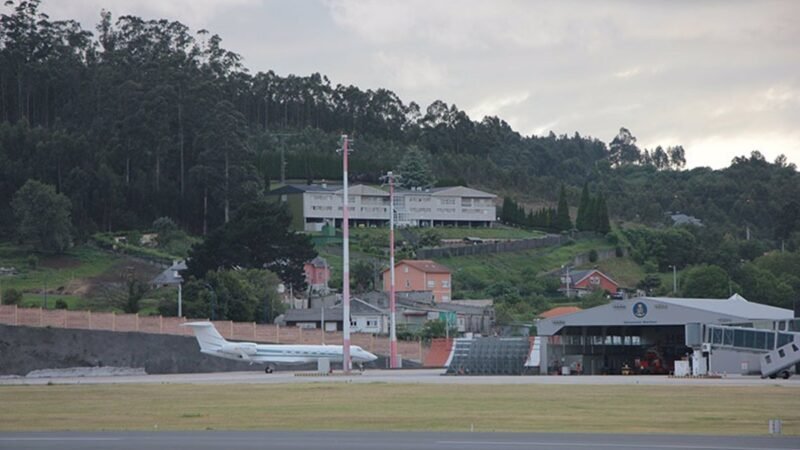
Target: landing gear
x,y
269,369
360,367
785,374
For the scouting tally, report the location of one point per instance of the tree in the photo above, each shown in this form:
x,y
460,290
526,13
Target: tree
x,y
258,237
705,282
563,222
602,224
623,149
583,208
43,217
415,170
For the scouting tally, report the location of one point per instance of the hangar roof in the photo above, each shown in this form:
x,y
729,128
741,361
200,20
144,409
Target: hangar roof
x,y
656,311
736,305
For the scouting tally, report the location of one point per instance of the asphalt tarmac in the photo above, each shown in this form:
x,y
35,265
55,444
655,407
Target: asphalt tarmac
x,y
383,441
421,376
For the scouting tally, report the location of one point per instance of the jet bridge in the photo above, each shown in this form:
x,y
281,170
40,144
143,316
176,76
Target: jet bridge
x,y
778,350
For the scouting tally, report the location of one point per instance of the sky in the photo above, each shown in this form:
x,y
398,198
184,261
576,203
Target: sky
x,y
721,78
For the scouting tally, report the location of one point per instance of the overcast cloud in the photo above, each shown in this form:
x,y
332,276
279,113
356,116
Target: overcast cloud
x,y
721,78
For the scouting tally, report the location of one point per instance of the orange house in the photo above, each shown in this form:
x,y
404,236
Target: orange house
x,y
420,275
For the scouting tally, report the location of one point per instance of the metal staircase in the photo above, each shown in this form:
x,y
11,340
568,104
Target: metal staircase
x,y
489,356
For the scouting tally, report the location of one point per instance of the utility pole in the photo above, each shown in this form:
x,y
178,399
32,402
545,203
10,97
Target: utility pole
x,y
346,261
674,279
392,293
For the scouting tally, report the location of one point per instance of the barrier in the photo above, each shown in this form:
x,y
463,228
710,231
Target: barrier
x,y
241,331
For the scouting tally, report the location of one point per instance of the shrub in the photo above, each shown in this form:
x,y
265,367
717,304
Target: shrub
x,y
12,296
593,255
61,304
33,262
619,252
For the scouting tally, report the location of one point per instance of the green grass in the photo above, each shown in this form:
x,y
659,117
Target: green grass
x,y
530,262
37,300
54,270
328,406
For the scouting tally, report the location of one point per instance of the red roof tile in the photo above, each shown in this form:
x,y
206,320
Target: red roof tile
x,y
559,311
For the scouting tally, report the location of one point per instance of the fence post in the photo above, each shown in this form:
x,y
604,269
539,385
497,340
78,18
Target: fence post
x,y
231,328
254,331
113,321
16,315
90,320
161,324
420,351
277,334
300,336
67,315
41,316
137,322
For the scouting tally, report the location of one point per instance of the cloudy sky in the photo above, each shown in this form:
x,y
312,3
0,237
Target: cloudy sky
x,y
721,78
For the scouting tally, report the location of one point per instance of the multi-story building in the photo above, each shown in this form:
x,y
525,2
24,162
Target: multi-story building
x,y
421,275
315,205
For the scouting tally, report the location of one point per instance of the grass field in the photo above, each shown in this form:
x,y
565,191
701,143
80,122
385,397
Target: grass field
x,y
54,271
397,407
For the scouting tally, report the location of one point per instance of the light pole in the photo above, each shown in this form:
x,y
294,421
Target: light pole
x,y
213,301
567,279
392,292
674,278
345,261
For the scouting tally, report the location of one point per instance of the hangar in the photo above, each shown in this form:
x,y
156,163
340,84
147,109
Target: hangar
x,y
648,334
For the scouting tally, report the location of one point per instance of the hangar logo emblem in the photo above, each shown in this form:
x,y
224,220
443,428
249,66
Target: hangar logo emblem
x,y
640,310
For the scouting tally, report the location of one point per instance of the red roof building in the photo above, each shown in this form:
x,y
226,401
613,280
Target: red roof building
x,y
421,275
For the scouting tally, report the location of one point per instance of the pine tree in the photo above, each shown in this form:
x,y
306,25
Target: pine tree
x,y
562,221
583,208
590,224
603,224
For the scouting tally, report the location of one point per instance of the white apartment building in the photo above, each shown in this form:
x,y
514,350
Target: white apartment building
x,y
313,206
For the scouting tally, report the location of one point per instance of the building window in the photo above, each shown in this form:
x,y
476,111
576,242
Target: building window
x,y
405,269
445,298
408,283
446,283
431,283
372,323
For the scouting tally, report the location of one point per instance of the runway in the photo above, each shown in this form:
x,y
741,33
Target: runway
x,y
383,441
421,376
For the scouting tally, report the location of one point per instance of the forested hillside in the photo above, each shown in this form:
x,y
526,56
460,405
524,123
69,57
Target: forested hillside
x,y
140,119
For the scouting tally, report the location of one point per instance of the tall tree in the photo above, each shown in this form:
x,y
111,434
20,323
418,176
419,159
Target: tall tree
x,y
563,221
258,237
43,217
415,170
583,208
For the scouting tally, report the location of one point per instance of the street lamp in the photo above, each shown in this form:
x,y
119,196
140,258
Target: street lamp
x,y
674,278
213,301
392,292
345,259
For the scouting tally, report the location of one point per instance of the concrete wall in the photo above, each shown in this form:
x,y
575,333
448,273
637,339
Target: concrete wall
x,y
23,349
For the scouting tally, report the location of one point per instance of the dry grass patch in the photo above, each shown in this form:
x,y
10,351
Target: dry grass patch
x,y
394,407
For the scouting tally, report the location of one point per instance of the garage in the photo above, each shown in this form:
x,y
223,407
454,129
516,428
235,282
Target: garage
x,y
646,335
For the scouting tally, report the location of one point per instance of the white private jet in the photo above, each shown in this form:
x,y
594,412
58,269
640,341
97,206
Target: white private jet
x,y
212,343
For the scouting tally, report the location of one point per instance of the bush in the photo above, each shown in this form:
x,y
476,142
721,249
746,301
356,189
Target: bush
x,y
612,238
12,296
61,304
33,262
593,255
619,252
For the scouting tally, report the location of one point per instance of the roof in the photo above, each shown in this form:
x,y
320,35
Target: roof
x,y
424,265
576,276
559,311
362,189
684,219
736,305
312,315
661,311
318,262
461,191
170,275
300,188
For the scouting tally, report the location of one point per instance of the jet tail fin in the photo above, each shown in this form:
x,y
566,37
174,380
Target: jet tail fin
x,y
207,336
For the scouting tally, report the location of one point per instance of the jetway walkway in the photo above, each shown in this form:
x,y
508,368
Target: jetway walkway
x,y
780,350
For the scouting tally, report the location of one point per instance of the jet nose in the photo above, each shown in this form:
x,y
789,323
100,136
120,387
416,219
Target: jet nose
x,y
370,356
